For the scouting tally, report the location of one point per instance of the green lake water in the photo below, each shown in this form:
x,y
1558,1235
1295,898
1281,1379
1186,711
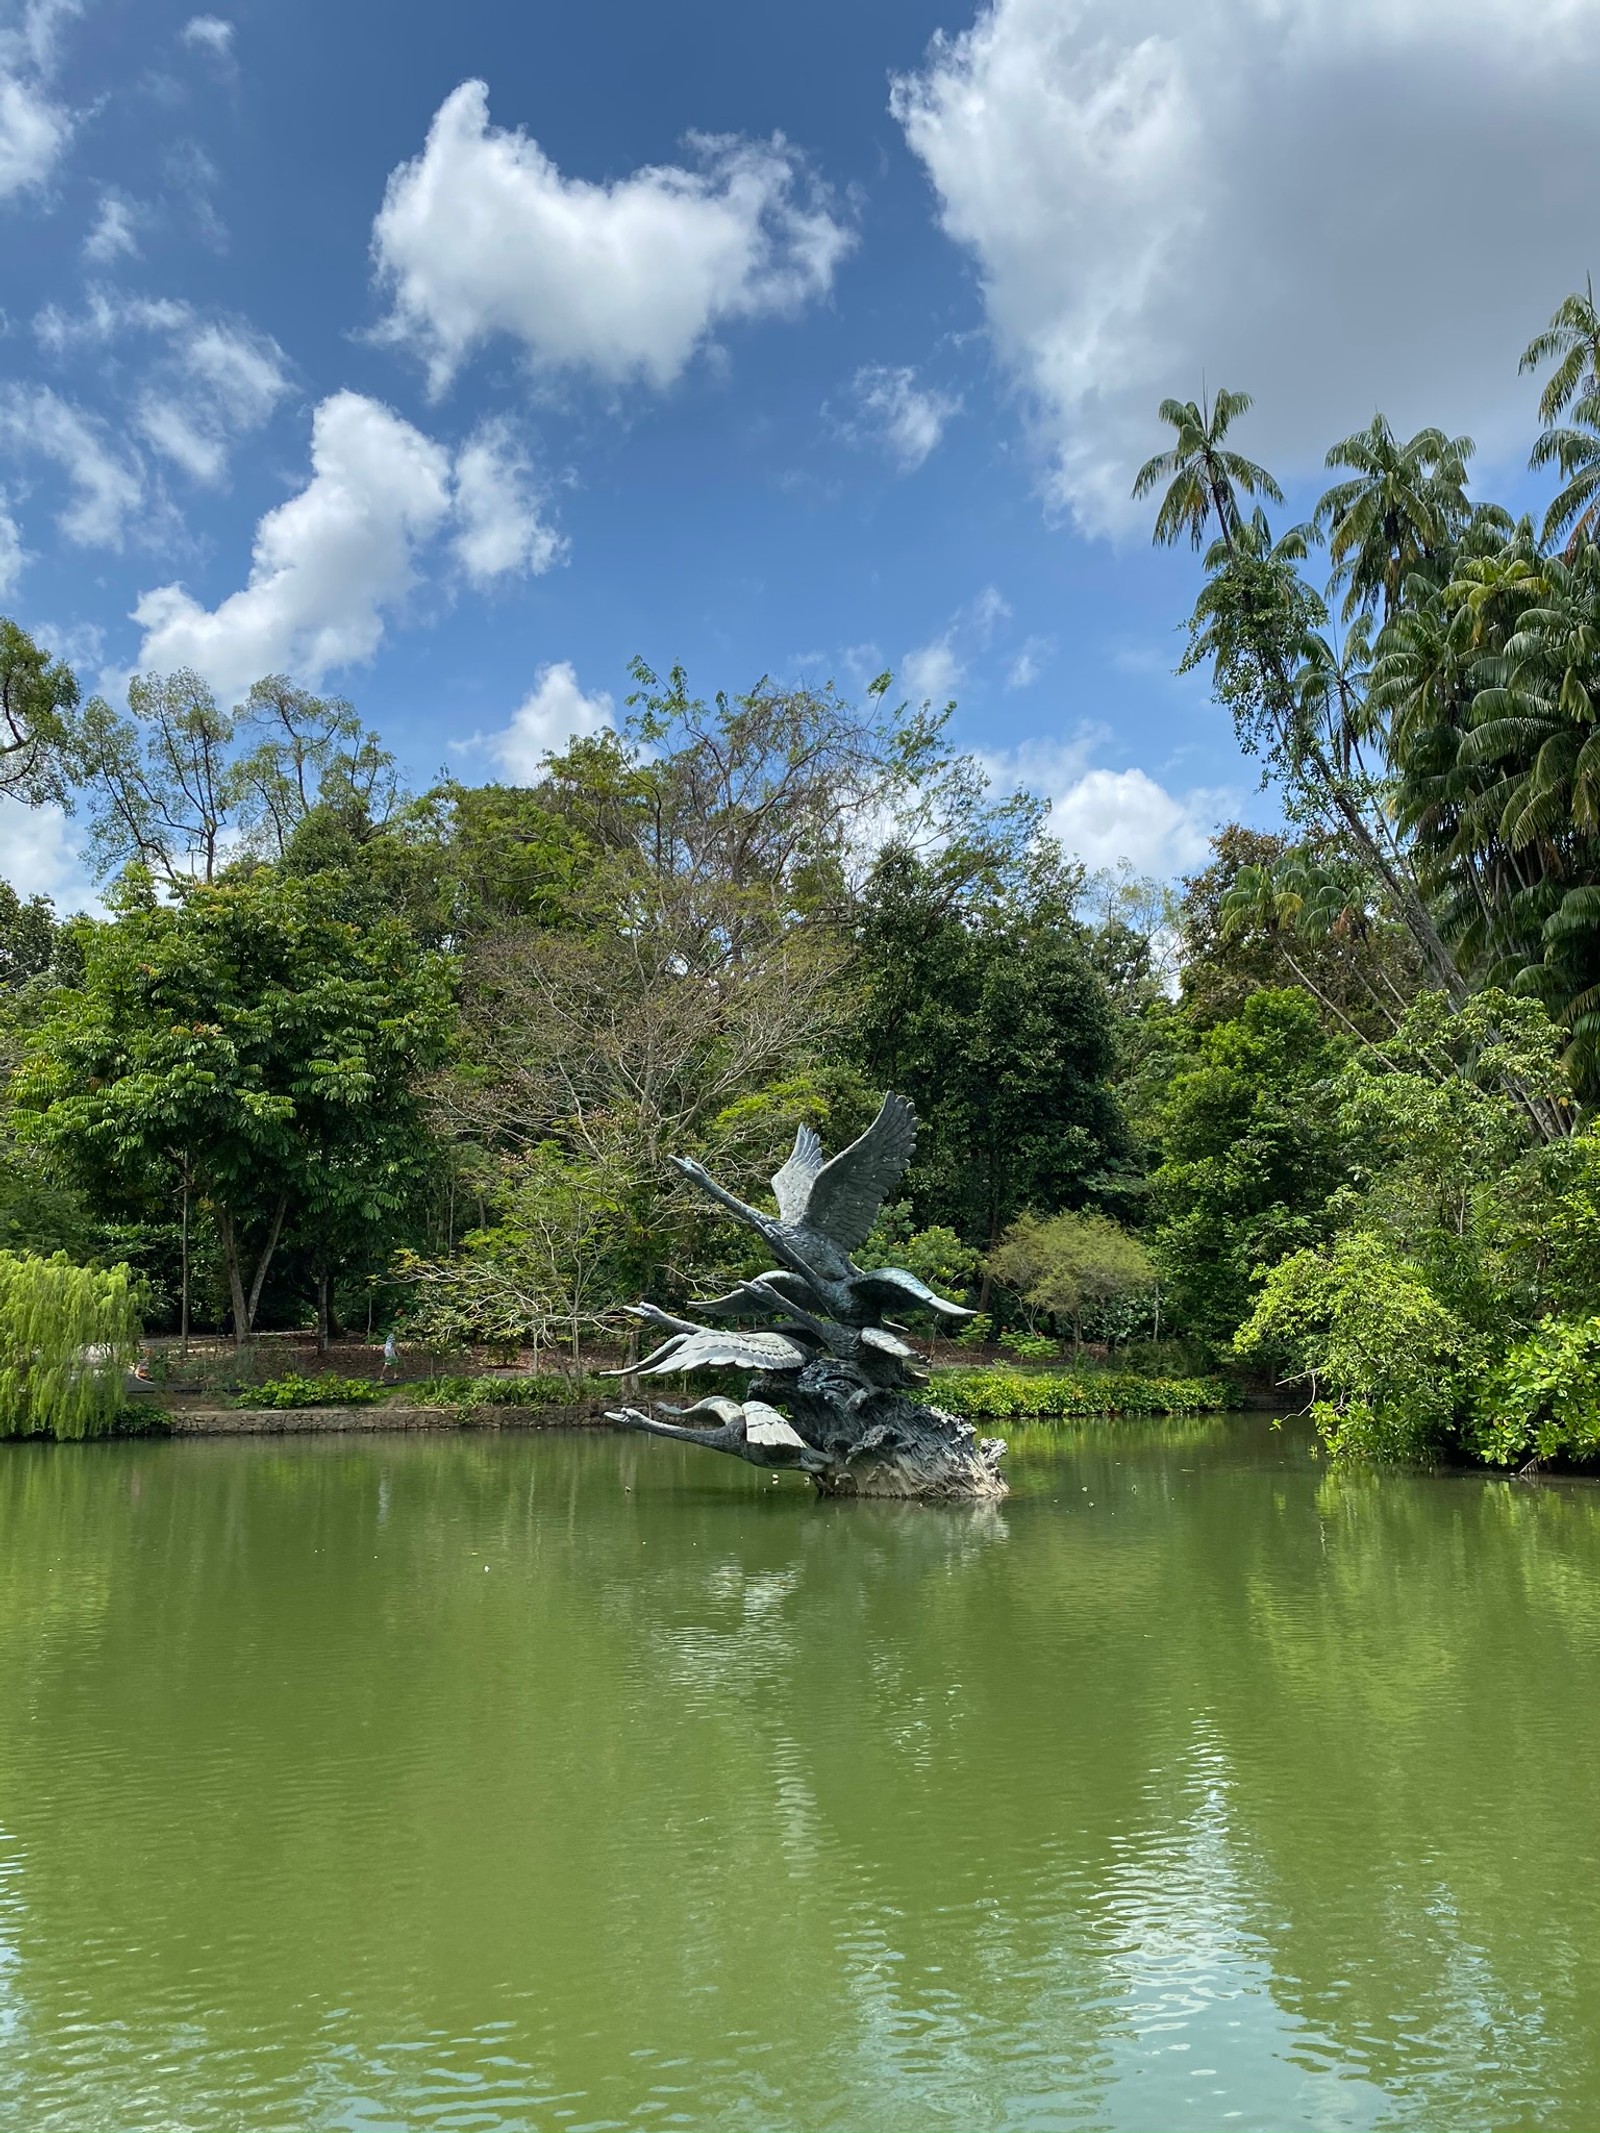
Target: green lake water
x,y
494,1783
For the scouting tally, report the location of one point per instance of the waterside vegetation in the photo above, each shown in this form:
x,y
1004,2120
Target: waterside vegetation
x,y
342,1057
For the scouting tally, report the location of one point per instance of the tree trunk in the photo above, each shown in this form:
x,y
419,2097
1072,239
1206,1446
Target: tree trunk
x,y
322,1311
243,1305
227,1237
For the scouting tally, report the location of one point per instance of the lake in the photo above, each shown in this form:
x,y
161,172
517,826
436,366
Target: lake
x,y
506,1782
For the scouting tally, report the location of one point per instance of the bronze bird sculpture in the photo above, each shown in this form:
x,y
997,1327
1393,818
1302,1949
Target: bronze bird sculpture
x,y
825,1211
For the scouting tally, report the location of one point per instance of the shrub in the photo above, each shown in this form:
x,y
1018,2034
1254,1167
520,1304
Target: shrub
x,y
993,1395
1030,1347
543,1389
1542,1400
1386,1362
292,1390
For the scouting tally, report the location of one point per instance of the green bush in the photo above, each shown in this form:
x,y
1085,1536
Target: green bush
x,y
993,1395
544,1389
1386,1361
1542,1400
140,1418
292,1390
1030,1347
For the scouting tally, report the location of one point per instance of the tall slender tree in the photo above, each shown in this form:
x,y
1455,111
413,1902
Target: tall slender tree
x,y
1203,476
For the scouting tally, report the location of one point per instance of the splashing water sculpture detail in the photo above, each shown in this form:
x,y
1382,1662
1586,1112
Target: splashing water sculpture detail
x,y
833,1391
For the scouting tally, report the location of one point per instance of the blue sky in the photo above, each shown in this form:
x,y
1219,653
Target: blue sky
x,y
448,357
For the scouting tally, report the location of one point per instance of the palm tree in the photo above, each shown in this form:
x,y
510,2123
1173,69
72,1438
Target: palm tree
x,y
1572,389
1573,335
1404,504
1202,475
1575,508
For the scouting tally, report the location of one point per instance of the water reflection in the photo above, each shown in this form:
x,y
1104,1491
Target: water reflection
x,y
501,1784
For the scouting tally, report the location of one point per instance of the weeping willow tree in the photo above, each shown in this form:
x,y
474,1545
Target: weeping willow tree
x,y
66,1335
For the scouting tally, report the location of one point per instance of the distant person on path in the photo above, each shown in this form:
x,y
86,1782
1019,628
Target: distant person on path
x,y
391,1354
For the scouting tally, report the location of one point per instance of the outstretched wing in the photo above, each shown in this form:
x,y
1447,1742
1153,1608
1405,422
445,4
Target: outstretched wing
x,y
846,1194
891,1286
764,1425
794,1181
706,1350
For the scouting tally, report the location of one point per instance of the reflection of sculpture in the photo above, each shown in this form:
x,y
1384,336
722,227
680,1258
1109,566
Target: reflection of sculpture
x,y
842,1371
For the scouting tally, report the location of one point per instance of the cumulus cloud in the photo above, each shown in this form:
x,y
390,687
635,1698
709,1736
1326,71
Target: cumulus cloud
x,y
327,566
499,509
1106,816
1153,190
42,855
105,487
554,712
892,410
481,234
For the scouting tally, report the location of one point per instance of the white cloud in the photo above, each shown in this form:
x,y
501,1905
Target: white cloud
x,y
1153,191
12,555
1028,664
554,712
114,232
106,488
482,234
42,856
219,382
1105,816
906,419
327,566
215,380
935,670
498,507
209,33
33,133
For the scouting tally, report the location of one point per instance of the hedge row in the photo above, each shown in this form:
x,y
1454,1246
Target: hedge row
x,y
543,1389
992,1395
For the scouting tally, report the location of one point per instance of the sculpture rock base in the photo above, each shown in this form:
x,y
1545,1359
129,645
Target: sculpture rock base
x,y
851,1437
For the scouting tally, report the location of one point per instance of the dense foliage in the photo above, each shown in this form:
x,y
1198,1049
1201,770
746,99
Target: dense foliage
x,y
340,1053
67,1335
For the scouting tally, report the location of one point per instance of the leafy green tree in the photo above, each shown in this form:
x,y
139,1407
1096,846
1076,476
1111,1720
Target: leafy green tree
x,y
38,721
545,1269
160,779
1067,1264
252,1048
1251,1151
987,1012
1542,1398
935,1255
172,792
1388,1365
